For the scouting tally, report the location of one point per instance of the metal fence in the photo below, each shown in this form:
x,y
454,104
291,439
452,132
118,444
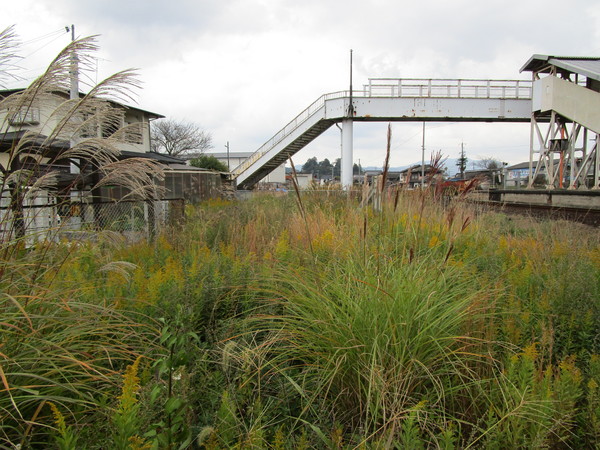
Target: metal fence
x,y
448,88
46,219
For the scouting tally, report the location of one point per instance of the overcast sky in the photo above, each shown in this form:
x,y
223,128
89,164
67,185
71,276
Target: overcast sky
x,y
242,69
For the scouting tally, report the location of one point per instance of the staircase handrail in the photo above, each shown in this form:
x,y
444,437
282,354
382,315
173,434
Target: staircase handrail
x,y
289,128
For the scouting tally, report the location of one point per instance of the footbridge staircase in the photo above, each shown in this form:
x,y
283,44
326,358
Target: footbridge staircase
x,y
389,99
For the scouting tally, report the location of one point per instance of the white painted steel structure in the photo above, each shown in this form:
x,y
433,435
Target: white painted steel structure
x,y
566,96
390,99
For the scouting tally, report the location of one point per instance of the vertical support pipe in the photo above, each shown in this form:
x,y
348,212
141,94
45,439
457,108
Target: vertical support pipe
x,y
423,159
532,130
597,163
531,175
347,151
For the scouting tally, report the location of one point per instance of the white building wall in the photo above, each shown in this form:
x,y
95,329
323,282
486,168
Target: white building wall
x,y
235,159
277,176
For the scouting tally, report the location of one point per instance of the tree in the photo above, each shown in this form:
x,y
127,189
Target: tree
x,y
337,167
461,163
311,166
209,162
325,167
489,163
179,138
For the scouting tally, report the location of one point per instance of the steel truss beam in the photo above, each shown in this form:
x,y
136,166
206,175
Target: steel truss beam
x,y
559,150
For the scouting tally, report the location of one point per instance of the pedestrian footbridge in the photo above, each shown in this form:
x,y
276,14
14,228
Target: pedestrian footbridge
x,y
389,100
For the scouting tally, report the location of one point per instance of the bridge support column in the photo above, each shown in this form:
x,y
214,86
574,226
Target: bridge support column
x,y
347,142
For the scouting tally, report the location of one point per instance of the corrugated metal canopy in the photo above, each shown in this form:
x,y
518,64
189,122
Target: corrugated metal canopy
x,y
587,66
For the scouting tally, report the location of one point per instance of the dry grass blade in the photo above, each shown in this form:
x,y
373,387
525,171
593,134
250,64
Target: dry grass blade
x,y
8,55
301,206
138,175
437,162
74,353
41,184
386,164
57,76
122,268
118,86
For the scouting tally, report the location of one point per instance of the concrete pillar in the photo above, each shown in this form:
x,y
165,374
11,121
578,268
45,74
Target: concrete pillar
x,y
347,137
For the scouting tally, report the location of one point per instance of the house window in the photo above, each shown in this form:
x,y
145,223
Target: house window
x,y
26,116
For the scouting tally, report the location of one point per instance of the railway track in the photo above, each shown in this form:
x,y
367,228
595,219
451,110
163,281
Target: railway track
x,y
588,216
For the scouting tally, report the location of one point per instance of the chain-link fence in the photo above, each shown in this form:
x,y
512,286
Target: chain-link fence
x,y
47,219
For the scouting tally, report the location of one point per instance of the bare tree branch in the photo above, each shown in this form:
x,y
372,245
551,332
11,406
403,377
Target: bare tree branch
x,y
179,138
488,163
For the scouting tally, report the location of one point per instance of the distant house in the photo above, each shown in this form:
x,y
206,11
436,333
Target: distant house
x,y
42,119
486,178
416,175
517,175
304,180
369,175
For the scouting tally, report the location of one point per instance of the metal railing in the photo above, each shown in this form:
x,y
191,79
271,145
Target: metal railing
x,y
290,127
448,88
404,88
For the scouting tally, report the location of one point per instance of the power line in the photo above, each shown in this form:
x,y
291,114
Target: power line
x,y
45,36
43,46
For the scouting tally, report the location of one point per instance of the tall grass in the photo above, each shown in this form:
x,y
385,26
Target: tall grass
x,y
410,325
416,323
369,345
63,351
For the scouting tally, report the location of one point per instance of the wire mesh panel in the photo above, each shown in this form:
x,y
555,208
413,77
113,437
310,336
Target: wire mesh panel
x,y
32,216
45,219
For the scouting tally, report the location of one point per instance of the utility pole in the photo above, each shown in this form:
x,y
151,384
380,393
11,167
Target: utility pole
x,y
74,92
462,161
227,147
